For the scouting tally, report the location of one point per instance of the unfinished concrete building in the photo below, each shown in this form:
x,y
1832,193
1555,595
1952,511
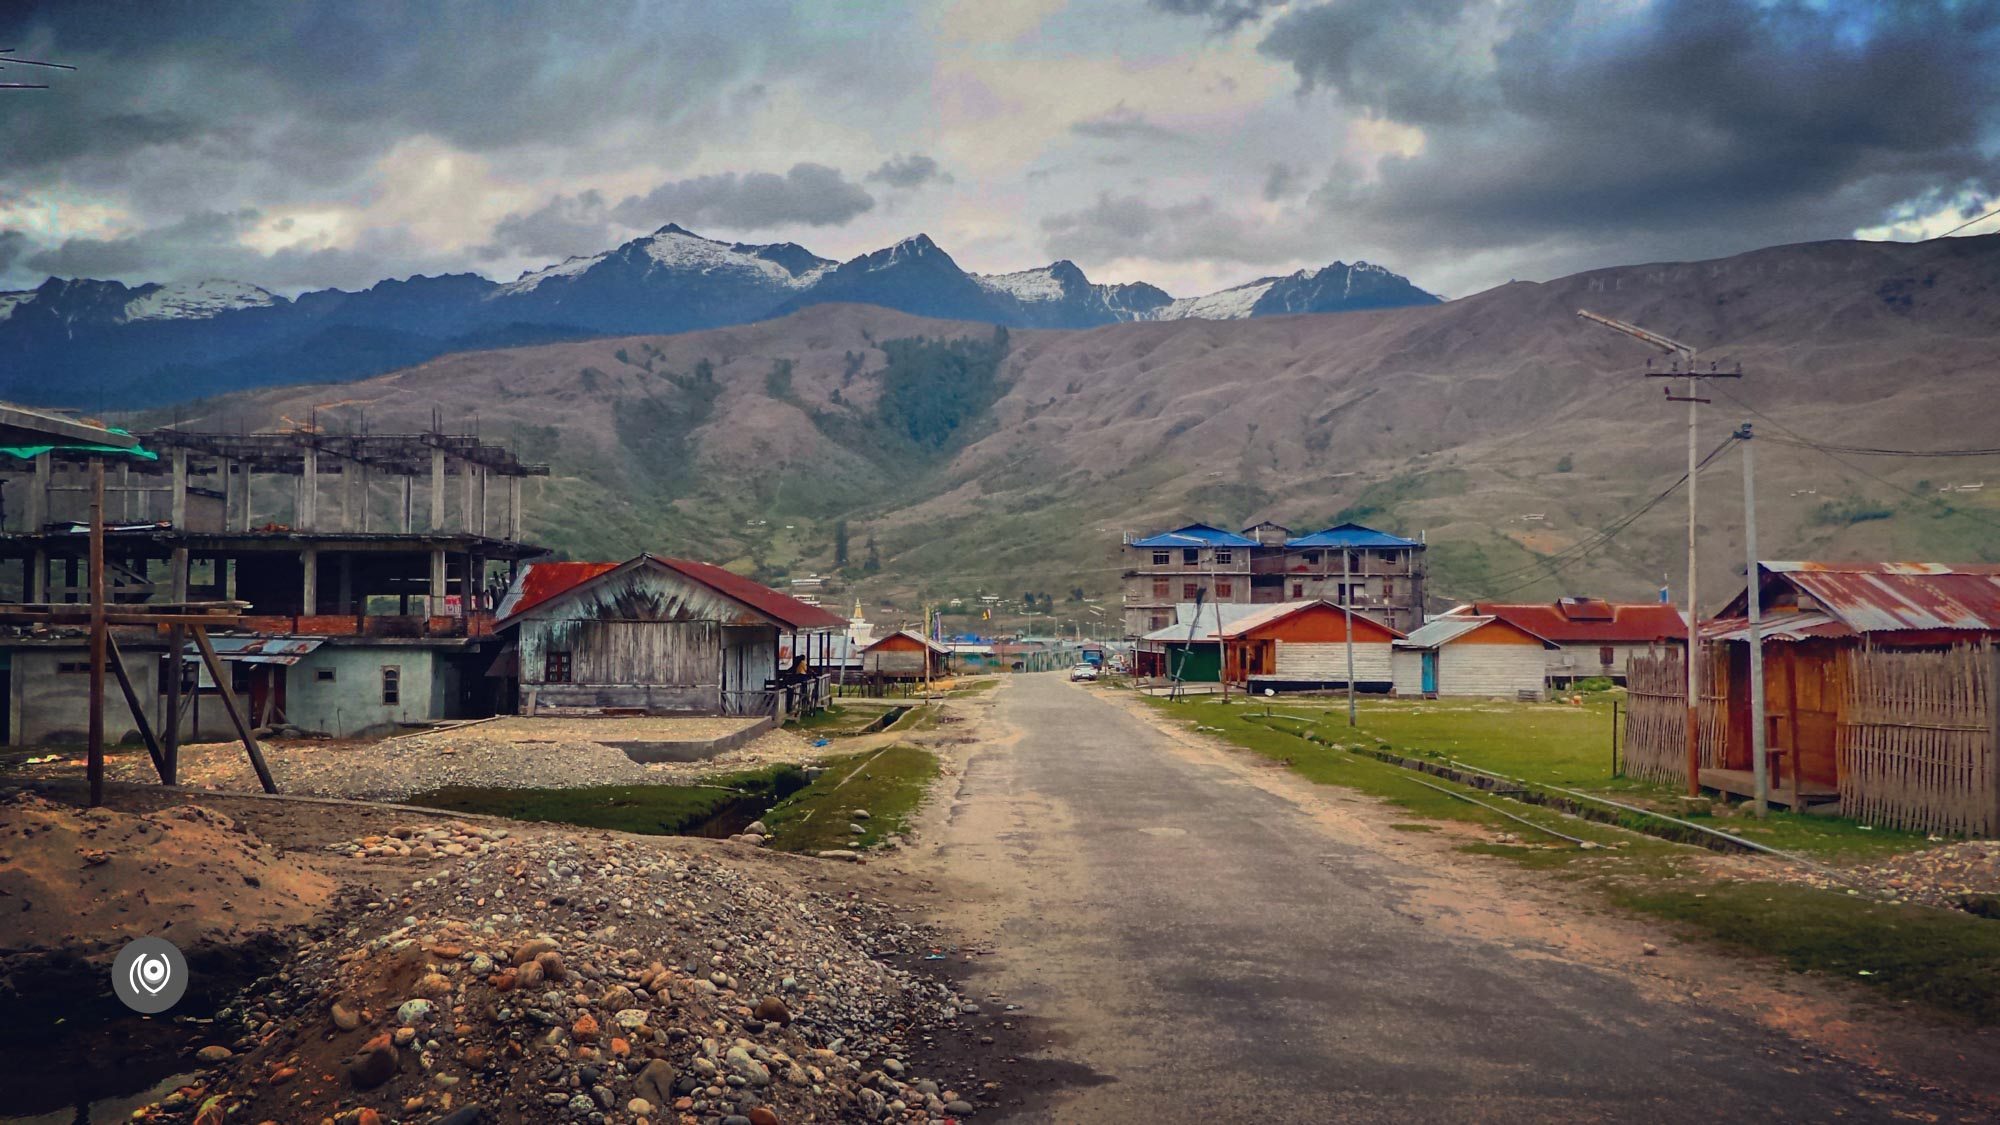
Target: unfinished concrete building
x,y
371,564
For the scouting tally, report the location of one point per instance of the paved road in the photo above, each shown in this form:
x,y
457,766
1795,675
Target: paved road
x,y
1218,953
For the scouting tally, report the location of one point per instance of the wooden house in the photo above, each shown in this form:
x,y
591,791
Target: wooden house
x,y
1189,649
657,634
1302,646
905,655
1594,638
1463,655
1880,684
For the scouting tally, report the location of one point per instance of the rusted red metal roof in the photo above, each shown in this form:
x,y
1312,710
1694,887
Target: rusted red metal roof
x,y
540,581
1886,597
1775,627
781,608
1590,621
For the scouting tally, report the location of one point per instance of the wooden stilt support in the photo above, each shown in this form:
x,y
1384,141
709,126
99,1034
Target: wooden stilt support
x,y
94,750
222,688
171,737
138,709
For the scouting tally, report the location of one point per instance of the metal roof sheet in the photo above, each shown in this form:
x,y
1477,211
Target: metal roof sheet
x,y
260,650
1776,627
1443,630
542,582
1195,535
1267,614
1900,597
1628,623
1351,535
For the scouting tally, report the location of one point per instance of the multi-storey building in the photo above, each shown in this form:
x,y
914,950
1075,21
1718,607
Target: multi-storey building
x,y
1372,571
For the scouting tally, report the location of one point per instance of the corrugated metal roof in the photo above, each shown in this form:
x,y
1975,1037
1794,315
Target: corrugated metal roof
x,y
1900,596
912,634
1776,627
542,582
1351,535
1268,614
1204,629
1195,535
781,608
1628,623
261,650
1442,630
539,581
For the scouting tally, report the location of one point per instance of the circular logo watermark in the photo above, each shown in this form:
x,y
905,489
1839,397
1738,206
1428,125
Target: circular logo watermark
x,y
149,975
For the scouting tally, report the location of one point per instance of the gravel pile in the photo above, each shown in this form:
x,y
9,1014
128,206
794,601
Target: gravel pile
x,y
591,979
423,842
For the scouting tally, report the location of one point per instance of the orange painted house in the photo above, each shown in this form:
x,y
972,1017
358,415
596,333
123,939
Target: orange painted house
x,y
1302,646
900,656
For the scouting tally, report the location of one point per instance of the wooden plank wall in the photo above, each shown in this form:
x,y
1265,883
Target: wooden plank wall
x,y
1916,739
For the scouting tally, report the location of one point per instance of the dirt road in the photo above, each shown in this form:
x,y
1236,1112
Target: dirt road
x,y
1219,941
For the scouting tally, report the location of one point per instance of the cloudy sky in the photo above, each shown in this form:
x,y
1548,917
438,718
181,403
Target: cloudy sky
x,y
1191,143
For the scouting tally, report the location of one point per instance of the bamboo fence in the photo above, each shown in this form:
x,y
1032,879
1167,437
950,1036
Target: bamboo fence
x,y
1917,740
1656,715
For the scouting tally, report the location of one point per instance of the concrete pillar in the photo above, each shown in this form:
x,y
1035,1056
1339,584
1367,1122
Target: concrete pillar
x,y
364,482
513,507
347,584
437,490
409,501
309,492
38,496
177,499
309,588
38,578
437,581
482,499
177,575
249,498
466,521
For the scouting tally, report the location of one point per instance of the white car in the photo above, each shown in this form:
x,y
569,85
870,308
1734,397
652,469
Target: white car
x,y
1083,672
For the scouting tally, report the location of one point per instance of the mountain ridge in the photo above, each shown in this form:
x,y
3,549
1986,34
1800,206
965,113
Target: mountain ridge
x,y
154,343
1498,425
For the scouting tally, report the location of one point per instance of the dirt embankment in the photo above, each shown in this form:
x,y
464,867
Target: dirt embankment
x,y
86,881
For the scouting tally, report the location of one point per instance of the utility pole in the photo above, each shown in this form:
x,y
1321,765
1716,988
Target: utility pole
x,y
94,749
1347,609
1759,769
1682,367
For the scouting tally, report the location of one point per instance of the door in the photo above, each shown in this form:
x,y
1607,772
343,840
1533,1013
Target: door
x,y
1430,671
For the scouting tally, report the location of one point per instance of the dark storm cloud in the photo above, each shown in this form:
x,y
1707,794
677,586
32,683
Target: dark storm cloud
x,y
907,172
481,76
564,226
1227,14
12,245
812,194
210,241
1703,125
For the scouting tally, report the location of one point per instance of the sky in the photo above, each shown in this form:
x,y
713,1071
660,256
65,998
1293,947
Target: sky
x,y
1194,144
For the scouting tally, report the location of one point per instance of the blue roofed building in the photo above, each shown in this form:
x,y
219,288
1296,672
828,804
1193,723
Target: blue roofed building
x,y
1266,564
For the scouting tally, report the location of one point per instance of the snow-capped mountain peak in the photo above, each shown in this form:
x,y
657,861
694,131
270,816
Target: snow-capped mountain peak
x,y
196,300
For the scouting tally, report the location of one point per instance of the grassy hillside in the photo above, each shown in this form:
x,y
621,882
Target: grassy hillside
x,y
1499,427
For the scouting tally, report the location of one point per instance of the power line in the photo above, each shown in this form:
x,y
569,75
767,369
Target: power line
x,y
1799,439
1970,222
1875,451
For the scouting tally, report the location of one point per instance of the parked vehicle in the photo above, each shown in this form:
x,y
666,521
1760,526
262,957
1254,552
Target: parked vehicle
x,y
1083,672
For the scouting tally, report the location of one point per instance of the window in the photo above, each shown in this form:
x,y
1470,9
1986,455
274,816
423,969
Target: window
x,y
1224,558
1162,588
555,667
1298,590
1162,558
1388,588
1312,558
1224,589
1189,591
323,675
1161,620
392,685
1607,658
1190,556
